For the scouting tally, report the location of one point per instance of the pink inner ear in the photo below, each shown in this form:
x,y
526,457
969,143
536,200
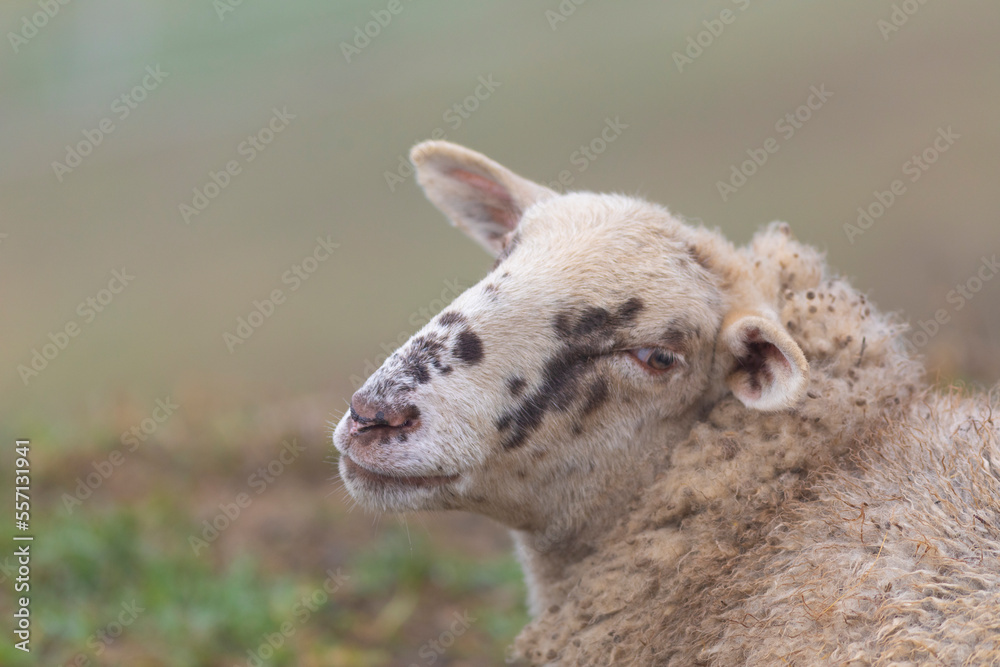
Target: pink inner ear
x,y
506,217
491,188
501,208
775,356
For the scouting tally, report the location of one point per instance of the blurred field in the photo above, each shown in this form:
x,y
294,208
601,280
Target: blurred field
x,y
397,262
391,586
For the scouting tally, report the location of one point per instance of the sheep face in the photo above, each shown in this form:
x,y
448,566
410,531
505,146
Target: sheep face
x,y
597,328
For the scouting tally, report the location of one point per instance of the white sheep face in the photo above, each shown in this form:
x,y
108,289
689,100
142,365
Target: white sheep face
x,y
597,327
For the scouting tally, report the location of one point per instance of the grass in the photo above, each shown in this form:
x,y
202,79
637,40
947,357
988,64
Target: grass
x,y
253,596
89,570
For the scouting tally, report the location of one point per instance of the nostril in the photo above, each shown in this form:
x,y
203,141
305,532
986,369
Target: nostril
x,y
367,415
365,410
377,420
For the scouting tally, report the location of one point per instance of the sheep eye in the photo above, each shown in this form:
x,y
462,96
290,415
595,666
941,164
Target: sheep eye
x,y
655,358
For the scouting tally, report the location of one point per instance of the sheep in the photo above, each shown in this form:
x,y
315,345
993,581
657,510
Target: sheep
x,y
705,454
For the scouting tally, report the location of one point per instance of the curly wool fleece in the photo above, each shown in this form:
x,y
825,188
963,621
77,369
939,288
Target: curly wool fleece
x,y
860,528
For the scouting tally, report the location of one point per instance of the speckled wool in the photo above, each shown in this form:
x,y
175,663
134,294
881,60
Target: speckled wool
x,y
861,527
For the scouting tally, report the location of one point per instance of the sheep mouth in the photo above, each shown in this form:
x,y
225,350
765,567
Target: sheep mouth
x,y
356,470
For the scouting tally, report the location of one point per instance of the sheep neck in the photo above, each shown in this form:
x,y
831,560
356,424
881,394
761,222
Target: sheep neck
x,y
546,554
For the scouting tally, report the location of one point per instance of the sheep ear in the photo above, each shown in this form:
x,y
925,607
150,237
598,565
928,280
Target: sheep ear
x,y
769,370
482,198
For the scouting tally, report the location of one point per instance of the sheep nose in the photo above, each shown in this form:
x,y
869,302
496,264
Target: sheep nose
x,y
368,414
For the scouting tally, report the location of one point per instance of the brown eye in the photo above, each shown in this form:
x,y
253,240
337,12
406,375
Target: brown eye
x,y
655,358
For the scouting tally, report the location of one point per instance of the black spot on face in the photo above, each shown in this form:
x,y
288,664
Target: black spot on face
x,y
522,421
419,373
491,291
675,337
597,395
515,385
562,325
587,335
596,322
505,421
591,320
628,310
468,347
422,353
451,317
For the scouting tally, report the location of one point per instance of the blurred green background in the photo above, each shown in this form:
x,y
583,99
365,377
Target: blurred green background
x,y
897,72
